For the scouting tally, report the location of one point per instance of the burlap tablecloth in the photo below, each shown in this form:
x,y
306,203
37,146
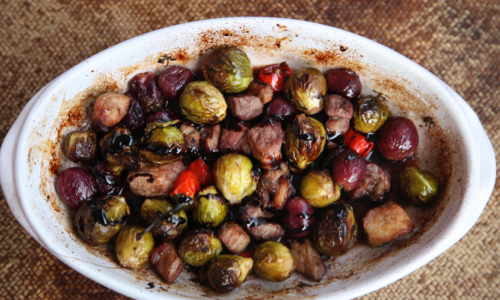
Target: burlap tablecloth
x,y
459,41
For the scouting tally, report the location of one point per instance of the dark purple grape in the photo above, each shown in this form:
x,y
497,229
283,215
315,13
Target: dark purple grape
x,y
163,115
135,118
398,139
106,182
299,218
144,87
280,110
348,169
329,158
173,80
75,186
343,82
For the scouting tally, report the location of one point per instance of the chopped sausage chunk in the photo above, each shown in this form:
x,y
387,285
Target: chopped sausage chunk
x,y
265,141
234,237
308,259
245,107
235,140
166,262
210,136
109,110
250,212
267,231
275,183
155,181
337,127
386,223
262,90
374,185
285,191
191,135
338,107
270,178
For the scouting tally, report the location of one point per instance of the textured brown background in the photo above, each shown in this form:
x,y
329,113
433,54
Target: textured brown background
x,y
459,41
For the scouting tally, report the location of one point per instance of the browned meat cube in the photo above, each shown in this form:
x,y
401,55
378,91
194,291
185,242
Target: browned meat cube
x,y
234,237
166,262
245,107
285,191
270,178
234,139
331,145
265,141
262,90
337,127
109,110
155,181
252,212
191,135
210,136
308,259
375,184
338,107
264,196
267,231
386,223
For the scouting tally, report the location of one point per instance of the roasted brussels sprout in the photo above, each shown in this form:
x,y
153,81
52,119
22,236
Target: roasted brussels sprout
x,y
163,144
199,246
319,189
118,141
133,247
234,177
202,103
336,232
370,113
228,272
80,146
153,209
419,186
228,69
97,222
305,138
273,261
210,208
306,89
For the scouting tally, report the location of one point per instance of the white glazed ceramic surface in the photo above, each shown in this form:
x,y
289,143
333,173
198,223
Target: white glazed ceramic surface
x,y
22,152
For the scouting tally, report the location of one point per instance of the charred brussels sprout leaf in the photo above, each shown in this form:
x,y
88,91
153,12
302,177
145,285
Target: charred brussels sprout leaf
x,y
273,261
319,189
164,145
370,113
234,177
80,146
199,246
228,69
337,230
306,89
304,140
132,248
419,186
202,103
228,272
99,221
210,208
153,209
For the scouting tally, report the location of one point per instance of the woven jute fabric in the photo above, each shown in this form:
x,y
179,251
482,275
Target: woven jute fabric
x,y
459,41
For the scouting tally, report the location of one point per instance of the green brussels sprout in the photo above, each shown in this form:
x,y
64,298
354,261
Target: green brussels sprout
x,y
305,138
80,146
202,103
273,261
229,70
234,177
210,209
370,113
199,246
118,141
318,188
418,186
132,247
337,230
97,222
228,272
163,145
152,209
306,89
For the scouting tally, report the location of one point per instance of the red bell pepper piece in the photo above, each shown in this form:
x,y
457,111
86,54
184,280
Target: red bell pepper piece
x,y
202,171
274,75
187,184
357,142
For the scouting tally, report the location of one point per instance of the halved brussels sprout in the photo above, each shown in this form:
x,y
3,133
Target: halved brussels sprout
x,y
164,145
305,138
228,69
419,186
133,248
273,261
153,209
202,103
228,272
319,189
336,232
97,222
234,177
306,89
80,146
210,209
199,246
370,113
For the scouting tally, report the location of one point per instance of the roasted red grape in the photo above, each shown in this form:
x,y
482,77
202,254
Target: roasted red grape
x,y
134,120
343,82
163,115
172,80
299,217
398,139
348,169
106,182
144,87
280,110
75,186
